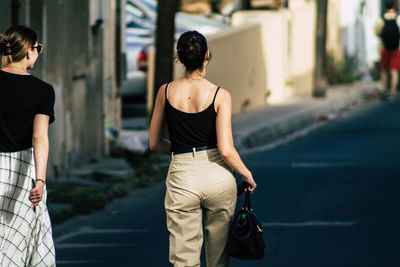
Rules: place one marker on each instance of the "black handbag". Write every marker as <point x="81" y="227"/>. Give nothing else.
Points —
<point x="246" y="239"/>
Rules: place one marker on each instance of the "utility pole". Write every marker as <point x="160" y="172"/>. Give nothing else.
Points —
<point x="245" y="4"/>
<point x="320" y="82"/>
<point x="164" y="61"/>
<point x="120" y="62"/>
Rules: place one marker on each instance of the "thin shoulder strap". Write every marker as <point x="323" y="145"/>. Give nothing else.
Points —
<point x="205" y="99"/>
<point x="215" y="95"/>
<point x="166" y="91"/>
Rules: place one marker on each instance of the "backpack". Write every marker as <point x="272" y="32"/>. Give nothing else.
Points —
<point x="390" y="34"/>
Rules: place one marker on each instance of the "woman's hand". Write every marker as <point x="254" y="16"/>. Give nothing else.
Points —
<point x="36" y="194"/>
<point x="248" y="178"/>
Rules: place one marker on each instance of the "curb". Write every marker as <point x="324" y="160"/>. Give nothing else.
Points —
<point x="269" y="127"/>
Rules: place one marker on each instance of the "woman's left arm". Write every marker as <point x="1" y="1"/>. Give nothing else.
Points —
<point x="157" y="142"/>
<point x="40" y="143"/>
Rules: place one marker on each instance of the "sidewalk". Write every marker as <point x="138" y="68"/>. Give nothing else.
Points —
<point x="271" y="123"/>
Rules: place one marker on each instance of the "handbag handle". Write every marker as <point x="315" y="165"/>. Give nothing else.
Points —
<point x="247" y="202"/>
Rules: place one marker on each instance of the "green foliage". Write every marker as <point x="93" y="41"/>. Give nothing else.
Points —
<point x="150" y="167"/>
<point x="86" y="198"/>
<point x="341" y="72"/>
<point x="376" y="71"/>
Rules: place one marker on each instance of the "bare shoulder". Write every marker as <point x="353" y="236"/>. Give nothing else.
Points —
<point x="222" y="99"/>
<point x="161" y="90"/>
<point x="162" y="87"/>
<point x="160" y="99"/>
<point x="223" y="95"/>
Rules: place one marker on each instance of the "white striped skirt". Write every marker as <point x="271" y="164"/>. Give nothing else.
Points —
<point x="25" y="232"/>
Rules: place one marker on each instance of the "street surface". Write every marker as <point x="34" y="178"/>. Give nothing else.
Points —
<point x="327" y="199"/>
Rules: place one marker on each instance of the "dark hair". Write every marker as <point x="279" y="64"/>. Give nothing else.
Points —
<point x="14" y="45"/>
<point x="389" y="4"/>
<point x="192" y="48"/>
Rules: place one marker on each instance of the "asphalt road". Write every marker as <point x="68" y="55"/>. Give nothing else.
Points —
<point x="328" y="199"/>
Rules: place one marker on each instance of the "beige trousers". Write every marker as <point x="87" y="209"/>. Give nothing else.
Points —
<point x="197" y="183"/>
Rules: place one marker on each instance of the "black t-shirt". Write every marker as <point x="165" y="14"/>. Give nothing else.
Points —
<point x="21" y="98"/>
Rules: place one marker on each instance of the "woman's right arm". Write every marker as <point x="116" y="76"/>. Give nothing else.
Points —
<point x="226" y="148"/>
<point x="157" y="125"/>
<point x="378" y="27"/>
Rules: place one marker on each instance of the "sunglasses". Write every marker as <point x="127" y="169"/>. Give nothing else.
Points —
<point x="39" y="48"/>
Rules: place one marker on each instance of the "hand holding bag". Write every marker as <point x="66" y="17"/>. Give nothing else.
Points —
<point x="246" y="239"/>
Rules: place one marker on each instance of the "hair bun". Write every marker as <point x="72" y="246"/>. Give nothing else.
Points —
<point x="5" y="46"/>
<point x="192" y="48"/>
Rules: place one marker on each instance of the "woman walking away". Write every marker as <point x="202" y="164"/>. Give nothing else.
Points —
<point x="26" y="110"/>
<point x="387" y="29"/>
<point x="200" y="177"/>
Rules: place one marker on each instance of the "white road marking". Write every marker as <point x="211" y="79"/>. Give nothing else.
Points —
<point x="303" y="164"/>
<point x="89" y="230"/>
<point x="320" y="164"/>
<point x="311" y="224"/>
<point x="94" y="245"/>
<point x="72" y="262"/>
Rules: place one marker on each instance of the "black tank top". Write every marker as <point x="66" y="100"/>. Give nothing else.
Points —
<point x="188" y="130"/>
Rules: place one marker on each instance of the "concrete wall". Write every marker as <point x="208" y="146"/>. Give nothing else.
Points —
<point x="289" y="47"/>
<point x="78" y="61"/>
<point x="112" y="89"/>
<point x="239" y="68"/>
<point x="302" y="38"/>
<point x="274" y="36"/>
<point x="358" y="20"/>
<point x="334" y="37"/>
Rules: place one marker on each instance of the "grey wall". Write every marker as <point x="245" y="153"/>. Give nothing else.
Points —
<point x="5" y="15"/>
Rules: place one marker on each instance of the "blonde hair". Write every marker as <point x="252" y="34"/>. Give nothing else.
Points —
<point x="14" y="45"/>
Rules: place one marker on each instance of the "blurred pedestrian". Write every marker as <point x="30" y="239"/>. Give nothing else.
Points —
<point x="26" y="110"/>
<point x="388" y="31"/>
<point x="200" y="177"/>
